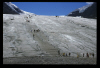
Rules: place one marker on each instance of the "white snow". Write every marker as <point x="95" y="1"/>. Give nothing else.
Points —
<point x="78" y="16"/>
<point x="61" y="16"/>
<point x="68" y="37"/>
<point x="13" y="4"/>
<point x="82" y="9"/>
<point x="89" y="2"/>
<point x="25" y="12"/>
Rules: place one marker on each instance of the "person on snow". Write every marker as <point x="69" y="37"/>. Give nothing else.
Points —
<point x="63" y="54"/>
<point x="87" y="54"/>
<point x="69" y="54"/>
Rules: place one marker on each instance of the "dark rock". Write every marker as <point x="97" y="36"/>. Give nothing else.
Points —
<point x="89" y="12"/>
<point x="9" y="8"/>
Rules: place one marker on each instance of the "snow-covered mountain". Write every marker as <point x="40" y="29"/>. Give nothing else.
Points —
<point x="88" y="11"/>
<point x="81" y="10"/>
<point x="9" y="8"/>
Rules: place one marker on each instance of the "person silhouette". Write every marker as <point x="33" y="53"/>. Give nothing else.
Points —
<point x="66" y="54"/>
<point x="58" y="52"/>
<point x="69" y="54"/>
<point x="87" y="55"/>
<point x="63" y="54"/>
<point x="77" y="55"/>
<point x="93" y="55"/>
<point x="83" y="54"/>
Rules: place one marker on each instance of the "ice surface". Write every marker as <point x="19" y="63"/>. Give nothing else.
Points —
<point x="67" y="34"/>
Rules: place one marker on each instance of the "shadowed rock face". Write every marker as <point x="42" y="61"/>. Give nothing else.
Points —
<point x="90" y="11"/>
<point x="8" y="8"/>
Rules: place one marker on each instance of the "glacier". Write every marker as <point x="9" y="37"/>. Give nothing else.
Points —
<point x="28" y="34"/>
<point x="67" y="34"/>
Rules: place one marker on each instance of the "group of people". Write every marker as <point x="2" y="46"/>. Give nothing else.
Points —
<point x="29" y="16"/>
<point x="68" y="54"/>
<point x="35" y="31"/>
<point x="57" y="16"/>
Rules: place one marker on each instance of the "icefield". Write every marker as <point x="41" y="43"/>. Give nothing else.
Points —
<point x="39" y="35"/>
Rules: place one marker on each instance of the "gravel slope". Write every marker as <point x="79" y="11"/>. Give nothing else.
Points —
<point x="49" y="60"/>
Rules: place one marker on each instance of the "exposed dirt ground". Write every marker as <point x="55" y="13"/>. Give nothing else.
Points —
<point x="49" y="60"/>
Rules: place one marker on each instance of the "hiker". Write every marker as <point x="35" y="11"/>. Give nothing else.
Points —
<point x="31" y="30"/>
<point x="58" y="52"/>
<point x="57" y="16"/>
<point x="63" y="54"/>
<point x="30" y="16"/>
<point x="66" y="54"/>
<point x="69" y="54"/>
<point x="27" y="21"/>
<point x="77" y="55"/>
<point x="38" y="30"/>
<point x="93" y="55"/>
<point x="33" y="35"/>
<point x="34" y="30"/>
<point x="87" y="55"/>
<point x="83" y="54"/>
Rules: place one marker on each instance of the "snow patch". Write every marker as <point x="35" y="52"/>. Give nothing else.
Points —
<point x="82" y="9"/>
<point x="13" y="5"/>
<point x="25" y="12"/>
<point x="62" y="16"/>
<point x="78" y="16"/>
<point x="68" y="37"/>
<point x="89" y="2"/>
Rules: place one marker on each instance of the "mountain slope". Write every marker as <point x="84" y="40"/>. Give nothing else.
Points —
<point x="67" y="34"/>
<point x="88" y="11"/>
<point x="9" y="8"/>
